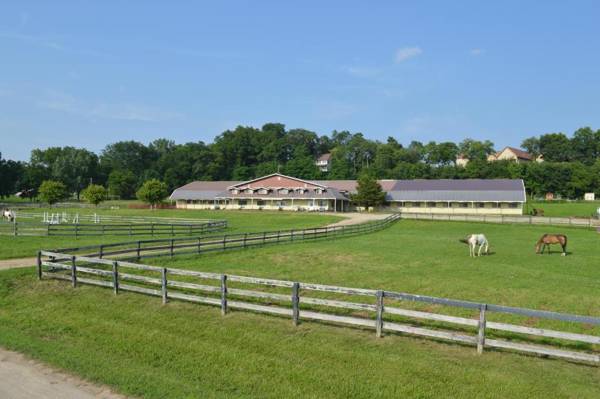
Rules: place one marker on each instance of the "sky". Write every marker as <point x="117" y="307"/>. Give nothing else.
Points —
<point x="89" y="73"/>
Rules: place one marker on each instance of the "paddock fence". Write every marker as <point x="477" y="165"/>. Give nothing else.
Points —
<point x="505" y="219"/>
<point x="480" y="325"/>
<point x="100" y="225"/>
<point x="152" y="248"/>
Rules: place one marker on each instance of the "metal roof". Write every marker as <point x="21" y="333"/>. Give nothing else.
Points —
<point x="477" y="190"/>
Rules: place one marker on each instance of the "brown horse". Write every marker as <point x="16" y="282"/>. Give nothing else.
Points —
<point x="548" y="239"/>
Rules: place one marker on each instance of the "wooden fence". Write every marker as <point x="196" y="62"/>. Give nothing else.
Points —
<point x="76" y="230"/>
<point x="380" y="310"/>
<point x="505" y="219"/>
<point x="197" y="245"/>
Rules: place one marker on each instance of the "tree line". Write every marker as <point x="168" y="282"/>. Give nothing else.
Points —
<point x="571" y="167"/>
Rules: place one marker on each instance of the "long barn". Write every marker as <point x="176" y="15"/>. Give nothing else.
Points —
<point x="280" y="192"/>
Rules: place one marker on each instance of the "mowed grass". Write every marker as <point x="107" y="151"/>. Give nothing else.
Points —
<point x="143" y="348"/>
<point x="584" y="209"/>
<point x="238" y="221"/>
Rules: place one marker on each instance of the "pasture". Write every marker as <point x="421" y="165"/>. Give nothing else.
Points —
<point x="239" y="221"/>
<point x="583" y="209"/>
<point x="144" y="348"/>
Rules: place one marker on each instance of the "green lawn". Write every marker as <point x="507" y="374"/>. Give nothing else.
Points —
<point x="583" y="209"/>
<point x="142" y="348"/>
<point x="238" y="221"/>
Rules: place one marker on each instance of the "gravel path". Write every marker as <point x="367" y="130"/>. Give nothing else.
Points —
<point x="356" y="218"/>
<point x="14" y="263"/>
<point x="23" y="378"/>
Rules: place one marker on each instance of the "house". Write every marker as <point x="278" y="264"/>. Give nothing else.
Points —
<point x="280" y="192"/>
<point x="461" y="160"/>
<point x="324" y="162"/>
<point x="514" y="154"/>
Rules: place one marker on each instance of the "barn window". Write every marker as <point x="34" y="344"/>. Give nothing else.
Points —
<point x="242" y="202"/>
<point x="479" y="204"/>
<point x="464" y="204"/>
<point x="261" y="202"/>
<point x="513" y="204"/>
<point x="431" y="205"/>
<point x="263" y="191"/>
<point x="235" y="191"/>
<point x="283" y="191"/>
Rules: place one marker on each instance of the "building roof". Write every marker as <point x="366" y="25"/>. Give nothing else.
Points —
<point x="518" y="153"/>
<point x="324" y="157"/>
<point x="477" y="190"/>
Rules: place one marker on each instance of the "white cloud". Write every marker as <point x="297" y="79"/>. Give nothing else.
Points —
<point x="476" y="51"/>
<point x="407" y="53"/>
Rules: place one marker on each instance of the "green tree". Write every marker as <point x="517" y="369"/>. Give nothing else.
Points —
<point x="94" y="194"/>
<point x="52" y="191"/>
<point x="152" y="192"/>
<point x="122" y="184"/>
<point x="368" y="192"/>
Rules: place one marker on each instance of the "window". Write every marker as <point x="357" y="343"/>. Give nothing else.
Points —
<point x="235" y="191"/>
<point x="242" y="202"/>
<point x="479" y="205"/>
<point x="300" y="190"/>
<point x="261" y="202"/>
<point x="263" y="191"/>
<point x="431" y="205"/>
<point x="248" y="191"/>
<point x="464" y="204"/>
<point x="513" y="204"/>
<point x="284" y="191"/>
<point x="319" y="191"/>
<point x="281" y="203"/>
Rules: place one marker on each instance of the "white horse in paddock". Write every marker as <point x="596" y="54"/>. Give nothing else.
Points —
<point x="8" y="214"/>
<point x="474" y="241"/>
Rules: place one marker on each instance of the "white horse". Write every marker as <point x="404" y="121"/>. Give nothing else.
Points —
<point x="475" y="240"/>
<point x="8" y="214"/>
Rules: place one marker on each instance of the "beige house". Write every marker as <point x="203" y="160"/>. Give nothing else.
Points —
<point x="324" y="162"/>
<point x="514" y="154"/>
<point x="279" y="192"/>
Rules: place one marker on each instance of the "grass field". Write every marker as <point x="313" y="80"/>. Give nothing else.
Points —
<point x="239" y="221"/>
<point x="140" y="347"/>
<point x="583" y="209"/>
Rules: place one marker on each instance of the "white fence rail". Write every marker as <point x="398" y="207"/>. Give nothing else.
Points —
<point x="380" y="310"/>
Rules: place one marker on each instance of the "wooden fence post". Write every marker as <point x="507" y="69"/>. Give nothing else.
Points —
<point x="245" y="238"/>
<point x="73" y="272"/>
<point x="224" y="242"/>
<point x="101" y="252"/>
<point x="223" y="294"/>
<point x="379" y="321"/>
<point x="164" y="285"/>
<point x="171" y="253"/>
<point x="278" y="234"/>
<point x="296" y="303"/>
<point x="115" y="276"/>
<point x="39" y="265"/>
<point x="481" y="327"/>
<point x="139" y="249"/>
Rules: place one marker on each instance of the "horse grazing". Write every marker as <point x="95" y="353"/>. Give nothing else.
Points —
<point x="474" y="240"/>
<point x="548" y="239"/>
<point x="8" y="214"/>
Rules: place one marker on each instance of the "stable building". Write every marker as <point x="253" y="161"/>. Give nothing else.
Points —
<point x="279" y="192"/>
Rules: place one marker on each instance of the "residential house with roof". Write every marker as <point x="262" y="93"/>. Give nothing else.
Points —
<point x="514" y="154"/>
<point x="324" y="162"/>
<point x="280" y="192"/>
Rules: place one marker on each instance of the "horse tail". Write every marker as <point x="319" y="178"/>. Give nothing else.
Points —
<point x="565" y="244"/>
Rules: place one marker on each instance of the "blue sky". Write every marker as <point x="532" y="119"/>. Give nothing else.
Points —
<point x="90" y="73"/>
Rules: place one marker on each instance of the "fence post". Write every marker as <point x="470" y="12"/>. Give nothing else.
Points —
<point x="379" y="321"/>
<point x="164" y="285"/>
<point x="481" y="327"/>
<point x="223" y="294"/>
<point x="172" y="242"/>
<point x="224" y="242"/>
<point x="278" y="234"/>
<point x="39" y="265"/>
<point x="115" y="276"/>
<point x="245" y="238"/>
<point x="296" y="303"/>
<point x="101" y="254"/>
<point x="73" y="272"/>
<point x="139" y="248"/>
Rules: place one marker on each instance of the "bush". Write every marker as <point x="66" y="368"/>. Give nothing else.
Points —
<point x="94" y="194"/>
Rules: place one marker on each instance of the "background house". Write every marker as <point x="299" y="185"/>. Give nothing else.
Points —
<point x="324" y="162"/>
<point x="514" y="154"/>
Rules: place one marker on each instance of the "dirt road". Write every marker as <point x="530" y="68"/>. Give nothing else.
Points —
<point x="23" y="378"/>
